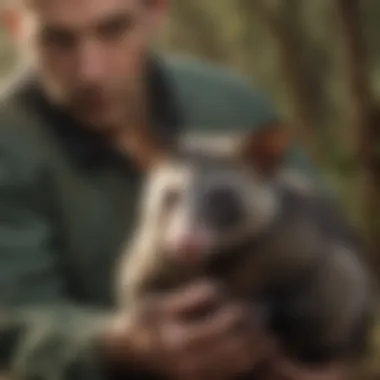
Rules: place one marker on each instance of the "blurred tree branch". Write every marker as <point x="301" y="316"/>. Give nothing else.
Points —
<point x="364" y="117"/>
<point x="294" y="72"/>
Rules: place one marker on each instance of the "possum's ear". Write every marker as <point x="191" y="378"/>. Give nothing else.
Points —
<point x="145" y="149"/>
<point x="266" y="148"/>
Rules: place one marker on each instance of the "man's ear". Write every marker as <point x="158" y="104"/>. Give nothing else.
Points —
<point x="11" y="20"/>
<point x="265" y="149"/>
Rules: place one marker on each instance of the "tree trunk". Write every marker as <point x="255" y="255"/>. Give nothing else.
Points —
<point x="293" y="72"/>
<point x="363" y="119"/>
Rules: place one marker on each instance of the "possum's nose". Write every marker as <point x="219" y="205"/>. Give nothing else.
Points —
<point x="192" y="246"/>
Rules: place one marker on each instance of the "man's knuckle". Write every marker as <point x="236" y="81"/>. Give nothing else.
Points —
<point x="188" y="369"/>
<point x="240" y="313"/>
<point x="213" y="290"/>
<point x="246" y="365"/>
<point x="241" y="356"/>
<point x="182" y="347"/>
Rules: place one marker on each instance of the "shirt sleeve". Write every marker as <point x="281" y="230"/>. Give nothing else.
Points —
<point x="43" y="333"/>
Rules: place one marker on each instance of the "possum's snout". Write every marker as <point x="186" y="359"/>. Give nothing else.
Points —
<point x="219" y="211"/>
<point x="191" y="244"/>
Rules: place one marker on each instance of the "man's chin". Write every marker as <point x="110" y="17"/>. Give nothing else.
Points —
<point x="99" y="121"/>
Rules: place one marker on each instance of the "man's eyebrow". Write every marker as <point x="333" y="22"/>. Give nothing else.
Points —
<point x="116" y="18"/>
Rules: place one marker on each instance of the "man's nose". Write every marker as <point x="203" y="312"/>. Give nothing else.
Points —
<point x="91" y="62"/>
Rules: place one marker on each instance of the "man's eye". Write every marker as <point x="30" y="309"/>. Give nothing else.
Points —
<point x="57" y="39"/>
<point x="116" y="28"/>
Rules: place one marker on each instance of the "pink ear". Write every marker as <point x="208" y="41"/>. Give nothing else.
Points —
<point x="11" y="20"/>
<point x="266" y="148"/>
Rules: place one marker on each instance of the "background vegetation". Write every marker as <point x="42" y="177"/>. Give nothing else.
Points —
<point x="319" y="61"/>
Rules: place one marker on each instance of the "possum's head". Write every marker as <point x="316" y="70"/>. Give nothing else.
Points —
<point x="214" y="193"/>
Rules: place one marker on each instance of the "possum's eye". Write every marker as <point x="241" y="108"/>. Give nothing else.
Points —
<point x="223" y="207"/>
<point x="171" y="198"/>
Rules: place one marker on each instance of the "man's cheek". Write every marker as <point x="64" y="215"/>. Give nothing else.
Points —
<point x="130" y="53"/>
<point x="58" y="69"/>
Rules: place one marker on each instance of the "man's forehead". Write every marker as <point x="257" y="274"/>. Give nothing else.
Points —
<point x="75" y="14"/>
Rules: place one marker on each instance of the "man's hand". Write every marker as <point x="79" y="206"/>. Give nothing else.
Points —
<point x="285" y="369"/>
<point x="162" y="338"/>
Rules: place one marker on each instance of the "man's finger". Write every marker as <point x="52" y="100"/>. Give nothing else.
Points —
<point x="227" y="358"/>
<point x="192" y="297"/>
<point x="291" y="370"/>
<point x="225" y="322"/>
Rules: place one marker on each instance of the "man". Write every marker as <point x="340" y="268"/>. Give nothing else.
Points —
<point x="68" y="191"/>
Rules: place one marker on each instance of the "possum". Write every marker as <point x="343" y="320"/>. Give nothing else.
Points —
<point x="229" y="207"/>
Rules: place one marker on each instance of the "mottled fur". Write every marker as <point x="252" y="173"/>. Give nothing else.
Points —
<point x="303" y="263"/>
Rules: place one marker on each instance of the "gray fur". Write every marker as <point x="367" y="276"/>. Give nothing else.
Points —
<point x="310" y="250"/>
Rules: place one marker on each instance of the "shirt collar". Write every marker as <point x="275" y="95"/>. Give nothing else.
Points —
<point x="91" y="148"/>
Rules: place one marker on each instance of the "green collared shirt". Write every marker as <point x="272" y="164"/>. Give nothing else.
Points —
<point x="68" y="202"/>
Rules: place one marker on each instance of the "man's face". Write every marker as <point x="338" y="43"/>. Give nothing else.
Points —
<point x="91" y="53"/>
